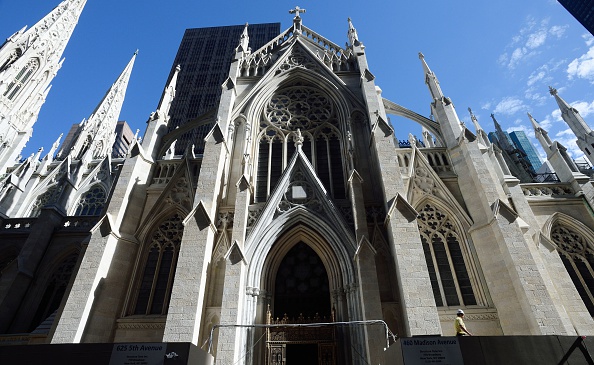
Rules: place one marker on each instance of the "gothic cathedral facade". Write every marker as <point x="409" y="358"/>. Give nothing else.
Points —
<point x="296" y="206"/>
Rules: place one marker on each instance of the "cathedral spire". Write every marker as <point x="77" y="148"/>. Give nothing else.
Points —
<point x="352" y="34"/>
<point x="477" y="126"/>
<point x="570" y="115"/>
<point x="502" y="137"/>
<point x="158" y="120"/>
<point x="168" y="95"/>
<point x="442" y="108"/>
<point x="24" y="58"/>
<point x="583" y="132"/>
<point x="97" y="133"/>
<point x="431" y="80"/>
<point x="244" y="40"/>
<point x="479" y="130"/>
<point x="541" y="134"/>
<point x="557" y="155"/>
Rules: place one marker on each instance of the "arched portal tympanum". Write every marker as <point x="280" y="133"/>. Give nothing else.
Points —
<point x="306" y="277"/>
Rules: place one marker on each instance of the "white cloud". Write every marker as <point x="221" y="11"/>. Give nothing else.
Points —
<point x="536" y="39"/>
<point x="522" y="127"/>
<point x="531" y="37"/>
<point x="566" y="132"/>
<point x="568" y="140"/>
<point x="545" y="123"/>
<point x="582" y="67"/>
<point x="510" y="106"/>
<point x="556" y="115"/>
<point x="588" y="38"/>
<point x="536" y="76"/>
<point x="486" y="105"/>
<point x="535" y="97"/>
<point x="584" y="107"/>
<point x="517" y="55"/>
<point x="558" y="30"/>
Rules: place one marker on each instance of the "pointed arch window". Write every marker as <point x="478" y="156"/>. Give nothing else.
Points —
<point x="158" y="271"/>
<point x="55" y="290"/>
<point x="446" y="257"/>
<point x="92" y="202"/>
<point x="21" y="78"/>
<point x="578" y="257"/>
<point x="47" y="197"/>
<point x="305" y="110"/>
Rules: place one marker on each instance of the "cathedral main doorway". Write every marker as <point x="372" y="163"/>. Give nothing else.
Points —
<point x="301" y="298"/>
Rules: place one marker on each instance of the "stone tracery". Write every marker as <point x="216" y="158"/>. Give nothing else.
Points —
<point x="300" y="114"/>
<point x="444" y="254"/>
<point x="578" y="257"/>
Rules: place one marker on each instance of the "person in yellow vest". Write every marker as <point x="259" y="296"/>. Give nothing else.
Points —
<point x="459" y="324"/>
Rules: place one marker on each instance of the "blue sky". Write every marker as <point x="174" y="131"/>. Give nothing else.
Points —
<point x="493" y="56"/>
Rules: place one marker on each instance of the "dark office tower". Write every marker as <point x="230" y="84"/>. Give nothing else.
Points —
<point x="204" y="57"/>
<point x="582" y="10"/>
<point x="123" y="139"/>
<point x="522" y="142"/>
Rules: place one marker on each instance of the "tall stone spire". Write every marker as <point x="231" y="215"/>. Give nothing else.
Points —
<point x="583" y="132"/>
<point x="558" y="158"/>
<point x="541" y="134"/>
<point x="158" y="120"/>
<point x="431" y="79"/>
<point x="442" y="107"/>
<point x="29" y="60"/>
<point x="502" y="137"/>
<point x="480" y="132"/>
<point x="244" y="40"/>
<point x="352" y="34"/>
<point x="96" y="135"/>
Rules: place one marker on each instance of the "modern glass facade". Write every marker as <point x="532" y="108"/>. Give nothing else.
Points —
<point x="204" y="57"/>
<point x="523" y="143"/>
<point x="582" y="10"/>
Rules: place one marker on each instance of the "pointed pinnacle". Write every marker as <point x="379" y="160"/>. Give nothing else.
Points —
<point x="552" y="91"/>
<point x="495" y="121"/>
<point x="535" y="124"/>
<point x="474" y="120"/>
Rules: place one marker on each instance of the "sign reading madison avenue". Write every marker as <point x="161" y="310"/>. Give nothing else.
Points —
<point x="431" y="350"/>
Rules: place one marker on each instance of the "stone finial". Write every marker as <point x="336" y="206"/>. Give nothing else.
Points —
<point x="352" y="34"/>
<point x="552" y="90"/>
<point x="244" y="39"/>
<point x="298" y="138"/>
<point x="297" y="11"/>
<point x="421" y="56"/>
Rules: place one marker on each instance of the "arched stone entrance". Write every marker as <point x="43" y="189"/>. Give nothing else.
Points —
<point x="308" y="276"/>
<point x="301" y="296"/>
<point x="301" y="286"/>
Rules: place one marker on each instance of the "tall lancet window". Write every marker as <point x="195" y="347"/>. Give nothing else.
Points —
<point x="158" y="269"/>
<point x="311" y="112"/>
<point x="55" y="290"/>
<point x="21" y="78"/>
<point x="446" y="257"/>
<point x="577" y="255"/>
<point x="92" y="202"/>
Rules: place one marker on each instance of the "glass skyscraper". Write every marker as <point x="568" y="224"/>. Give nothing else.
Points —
<point x="582" y="10"/>
<point x="523" y="143"/>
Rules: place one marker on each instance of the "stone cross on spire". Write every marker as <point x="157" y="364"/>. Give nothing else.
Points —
<point x="296" y="11"/>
